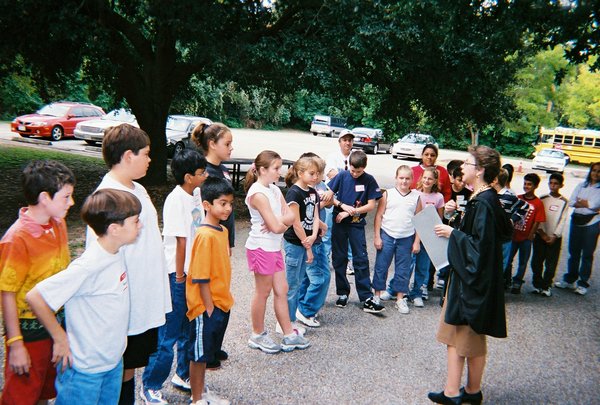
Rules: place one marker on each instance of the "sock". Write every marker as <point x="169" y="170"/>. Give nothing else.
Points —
<point x="127" y="393"/>
<point x="376" y="299"/>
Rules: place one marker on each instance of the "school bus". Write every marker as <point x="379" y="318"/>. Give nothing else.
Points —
<point x="582" y="145"/>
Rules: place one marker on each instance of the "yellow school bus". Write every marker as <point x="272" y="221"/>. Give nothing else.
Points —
<point x="582" y="145"/>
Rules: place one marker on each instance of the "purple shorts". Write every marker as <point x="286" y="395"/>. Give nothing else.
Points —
<point x="264" y="263"/>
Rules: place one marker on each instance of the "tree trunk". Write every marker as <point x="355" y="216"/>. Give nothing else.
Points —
<point x="474" y="135"/>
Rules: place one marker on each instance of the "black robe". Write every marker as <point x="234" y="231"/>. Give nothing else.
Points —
<point x="475" y="294"/>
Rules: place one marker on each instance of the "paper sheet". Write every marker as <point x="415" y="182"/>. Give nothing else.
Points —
<point x="436" y="246"/>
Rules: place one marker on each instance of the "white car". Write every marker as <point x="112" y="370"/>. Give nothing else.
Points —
<point x="179" y="131"/>
<point x="411" y="146"/>
<point x="550" y="160"/>
<point x="93" y="131"/>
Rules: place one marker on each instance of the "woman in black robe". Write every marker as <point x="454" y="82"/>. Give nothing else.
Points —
<point x="474" y="302"/>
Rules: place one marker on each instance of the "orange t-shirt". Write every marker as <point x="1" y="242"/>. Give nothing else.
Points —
<point x="209" y="264"/>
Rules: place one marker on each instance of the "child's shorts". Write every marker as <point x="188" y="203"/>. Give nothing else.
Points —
<point x="263" y="262"/>
<point x="74" y="386"/>
<point x="39" y="384"/>
<point x="206" y="335"/>
<point x="139" y="348"/>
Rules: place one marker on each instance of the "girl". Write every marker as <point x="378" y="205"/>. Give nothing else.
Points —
<point x="216" y="141"/>
<point x="270" y="218"/>
<point x="299" y="240"/>
<point x="428" y="159"/>
<point x="395" y="237"/>
<point x="430" y="195"/>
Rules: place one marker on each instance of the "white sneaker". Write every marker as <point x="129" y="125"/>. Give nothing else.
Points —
<point x="402" y="306"/>
<point x="386" y="296"/>
<point x="424" y="292"/>
<point x="564" y="284"/>
<point x="152" y="397"/>
<point x="180" y="383"/>
<point x="547" y="292"/>
<point x="313" y="322"/>
<point x="581" y="290"/>
<point x="299" y="329"/>
<point x="418" y="302"/>
<point x="350" y="270"/>
<point x="440" y="284"/>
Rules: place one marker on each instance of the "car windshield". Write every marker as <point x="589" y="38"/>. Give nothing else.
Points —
<point x="551" y="153"/>
<point x="415" y="138"/>
<point x="119" y="115"/>
<point x="177" y="124"/>
<point x="54" y="110"/>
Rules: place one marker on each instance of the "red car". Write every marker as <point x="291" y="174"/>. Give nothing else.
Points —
<point x="56" y="120"/>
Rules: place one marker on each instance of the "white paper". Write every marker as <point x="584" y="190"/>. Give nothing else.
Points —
<point x="436" y="246"/>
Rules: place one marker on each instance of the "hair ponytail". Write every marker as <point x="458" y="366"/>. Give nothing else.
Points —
<point x="264" y="160"/>
<point x="203" y="133"/>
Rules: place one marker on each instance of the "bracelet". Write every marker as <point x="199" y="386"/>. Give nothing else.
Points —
<point x="176" y="276"/>
<point x="14" y="339"/>
<point x="340" y="205"/>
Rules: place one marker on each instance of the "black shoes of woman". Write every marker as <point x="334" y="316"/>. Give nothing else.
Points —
<point x="463" y="398"/>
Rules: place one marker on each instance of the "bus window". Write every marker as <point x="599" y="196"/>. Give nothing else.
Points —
<point x="597" y="145"/>
<point x="578" y="140"/>
<point x="568" y="139"/>
<point x="558" y="139"/>
<point x="589" y="141"/>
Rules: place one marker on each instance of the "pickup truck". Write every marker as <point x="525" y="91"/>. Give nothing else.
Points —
<point x="327" y="125"/>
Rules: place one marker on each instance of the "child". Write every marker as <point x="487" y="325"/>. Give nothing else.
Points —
<point x="356" y="192"/>
<point x="34" y="248"/>
<point x="299" y="239"/>
<point x="548" y="239"/>
<point x="395" y="237"/>
<point x="430" y="195"/>
<point x="95" y="294"/>
<point x="208" y="287"/>
<point x="216" y="142"/>
<point x="270" y="217"/>
<point x="525" y="230"/>
<point x="182" y="214"/>
<point x="125" y="150"/>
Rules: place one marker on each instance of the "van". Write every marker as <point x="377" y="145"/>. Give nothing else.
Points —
<point x="327" y="125"/>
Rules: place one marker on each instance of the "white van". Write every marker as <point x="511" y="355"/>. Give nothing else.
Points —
<point x="327" y="125"/>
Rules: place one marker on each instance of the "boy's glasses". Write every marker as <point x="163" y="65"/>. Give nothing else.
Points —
<point x="203" y="173"/>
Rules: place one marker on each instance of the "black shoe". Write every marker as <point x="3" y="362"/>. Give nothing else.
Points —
<point x="342" y="301"/>
<point x="441" y="398"/>
<point x="372" y="307"/>
<point x="473" y="399"/>
<point x="213" y="365"/>
<point x="515" y="290"/>
<point x="222" y="355"/>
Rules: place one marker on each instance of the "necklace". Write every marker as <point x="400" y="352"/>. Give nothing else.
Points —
<point x="480" y="190"/>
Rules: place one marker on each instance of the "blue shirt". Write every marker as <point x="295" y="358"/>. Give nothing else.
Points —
<point x="354" y="192"/>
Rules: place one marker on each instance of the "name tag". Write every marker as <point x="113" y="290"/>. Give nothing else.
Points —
<point x="553" y="208"/>
<point x="359" y="187"/>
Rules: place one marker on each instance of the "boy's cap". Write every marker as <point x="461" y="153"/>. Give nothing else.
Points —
<point x="346" y="132"/>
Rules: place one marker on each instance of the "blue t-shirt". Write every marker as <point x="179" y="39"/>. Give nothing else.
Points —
<point x="354" y="192"/>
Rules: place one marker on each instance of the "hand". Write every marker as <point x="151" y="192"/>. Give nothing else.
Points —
<point x="416" y="248"/>
<point x="210" y="311"/>
<point x="323" y="229"/>
<point x="443" y="230"/>
<point x="180" y="279"/>
<point x="341" y="216"/>
<point x="378" y="243"/>
<point x="61" y="353"/>
<point x="582" y="203"/>
<point x="349" y="209"/>
<point x="327" y="197"/>
<point x="18" y="358"/>
<point x="309" y="256"/>
<point x="450" y="206"/>
<point x="550" y="239"/>
<point x="264" y="228"/>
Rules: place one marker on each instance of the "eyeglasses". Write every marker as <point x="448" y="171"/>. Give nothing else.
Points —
<point x="470" y="164"/>
<point x="345" y="164"/>
<point x="203" y="173"/>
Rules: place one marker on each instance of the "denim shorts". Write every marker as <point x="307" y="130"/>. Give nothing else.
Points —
<point x="206" y="335"/>
<point x="74" y="386"/>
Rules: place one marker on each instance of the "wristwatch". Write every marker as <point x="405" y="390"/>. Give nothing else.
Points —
<point x="340" y="205"/>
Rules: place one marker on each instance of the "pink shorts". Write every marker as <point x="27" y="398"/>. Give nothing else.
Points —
<point x="265" y="263"/>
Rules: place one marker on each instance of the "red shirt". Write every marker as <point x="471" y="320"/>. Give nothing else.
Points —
<point x="535" y="214"/>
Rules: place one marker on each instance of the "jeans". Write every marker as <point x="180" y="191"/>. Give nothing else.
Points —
<point x="422" y="263"/>
<point x="524" y="248"/>
<point x="326" y="240"/>
<point x="401" y="251"/>
<point x="341" y="234"/>
<point x="76" y="387"/>
<point x="314" y="287"/>
<point x="295" y="271"/>
<point x="543" y="252"/>
<point x="175" y="330"/>
<point x="582" y="244"/>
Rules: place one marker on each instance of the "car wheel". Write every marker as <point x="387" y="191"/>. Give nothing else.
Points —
<point x="388" y="151"/>
<point x="91" y="143"/>
<point x="57" y="133"/>
<point x="179" y="146"/>
<point x="24" y="135"/>
<point x="375" y="149"/>
<point x="314" y="134"/>
<point x="330" y="135"/>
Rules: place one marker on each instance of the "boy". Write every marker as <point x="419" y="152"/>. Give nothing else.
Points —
<point x="208" y="286"/>
<point x="548" y="239"/>
<point x="125" y="150"/>
<point x="182" y="214"/>
<point x="525" y="230"/>
<point x="355" y="195"/>
<point x="34" y="248"/>
<point x="95" y="294"/>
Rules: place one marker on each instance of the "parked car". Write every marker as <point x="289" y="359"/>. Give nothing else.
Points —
<point x="411" y="146"/>
<point x="370" y="140"/>
<point x="179" y="132"/>
<point x="93" y="131"/>
<point x="550" y="160"/>
<point x="55" y="120"/>
<point x="327" y="125"/>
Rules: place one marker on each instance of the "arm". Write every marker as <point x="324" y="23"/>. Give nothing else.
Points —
<point x="180" y="259"/>
<point x="61" y="352"/>
<point x="377" y="222"/>
<point x="18" y="357"/>
<point x="260" y="202"/>
<point x="534" y="229"/>
<point x="207" y="298"/>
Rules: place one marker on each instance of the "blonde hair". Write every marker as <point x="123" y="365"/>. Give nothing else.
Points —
<point x="435" y="187"/>
<point x="264" y="159"/>
<point x="404" y="167"/>
<point x="303" y="164"/>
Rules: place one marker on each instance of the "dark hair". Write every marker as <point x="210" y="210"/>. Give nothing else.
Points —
<point x="588" y="179"/>
<point x="502" y="177"/>
<point x="118" y="140"/>
<point x="264" y="160"/>
<point x="452" y="165"/>
<point x="302" y="164"/>
<point x="487" y="159"/>
<point x="432" y="147"/>
<point x="186" y="162"/>
<point x="532" y="177"/>
<point x="203" y="133"/>
<point x="44" y="176"/>
<point x="510" y="169"/>
<point x="358" y="159"/>
<point x="215" y="187"/>
<point x="457" y="172"/>
<point x="109" y="206"/>
<point x="558" y="177"/>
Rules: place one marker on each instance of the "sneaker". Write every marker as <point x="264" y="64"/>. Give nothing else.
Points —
<point x="298" y="329"/>
<point x="342" y="301"/>
<point x="310" y="321"/>
<point x="386" y="296"/>
<point x="213" y="399"/>
<point x="350" y="270"/>
<point x="180" y="383"/>
<point x="372" y="307"/>
<point x="536" y="290"/>
<point x="152" y="396"/>
<point x="213" y="365"/>
<point x="564" y="284"/>
<point x="424" y="293"/>
<point x="581" y="290"/>
<point x="440" y="284"/>
<point x="546" y="292"/>
<point x="402" y="306"/>
<point x="418" y="302"/>
<point x="263" y="342"/>
<point x="294" y="341"/>
<point x="222" y="355"/>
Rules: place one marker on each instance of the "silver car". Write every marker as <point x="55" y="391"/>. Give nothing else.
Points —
<point x="179" y="132"/>
<point x="93" y="131"/>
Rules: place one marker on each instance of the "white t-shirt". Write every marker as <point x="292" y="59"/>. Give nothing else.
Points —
<point x="182" y="214"/>
<point x="399" y="212"/>
<point x="267" y="241"/>
<point x="94" y="291"/>
<point x="336" y="161"/>
<point x="146" y="265"/>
